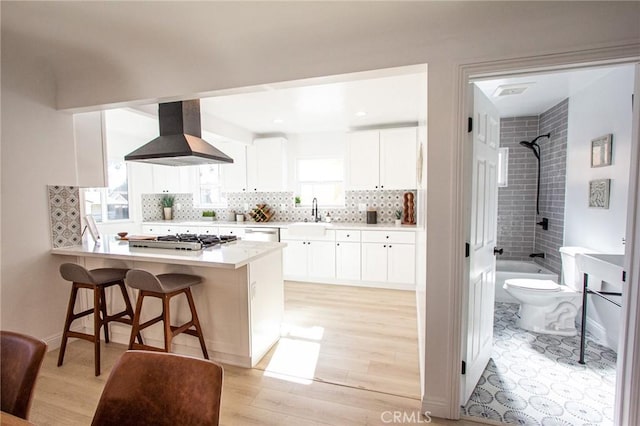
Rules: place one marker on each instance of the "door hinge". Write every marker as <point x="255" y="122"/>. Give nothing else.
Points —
<point x="624" y="276"/>
<point x="470" y="125"/>
<point x="464" y="367"/>
<point x="467" y="249"/>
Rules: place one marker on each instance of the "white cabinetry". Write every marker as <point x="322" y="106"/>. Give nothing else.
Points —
<point x="168" y="229"/>
<point x="382" y="159"/>
<point x="91" y="155"/>
<point x="309" y="258"/>
<point x="266" y="165"/>
<point x="348" y="255"/>
<point x="234" y="175"/>
<point x="388" y="257"/>
<point x="228" y="230"/>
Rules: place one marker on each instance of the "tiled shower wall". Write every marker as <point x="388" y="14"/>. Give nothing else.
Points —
<point x="517" y="230"/>
<point x="385" y="202"/>
<point x="552" y="184"/>
<point x="517" y="201"/>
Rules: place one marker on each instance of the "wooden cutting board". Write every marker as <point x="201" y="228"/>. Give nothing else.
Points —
<point x="139" y="237"/>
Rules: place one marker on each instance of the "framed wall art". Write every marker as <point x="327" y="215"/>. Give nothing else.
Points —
<point x="601" y="151"/>
<point x="599" y="193"/>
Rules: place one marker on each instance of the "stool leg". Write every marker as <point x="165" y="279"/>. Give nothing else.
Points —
<point x="96" y="328"/>
<point x="196" y="321"/>
<point x="128" y="307"/>
<point x="103" y="308"/>
<point x="168" y="334"/>
<point x="67" y="323"/>
<point x="135" y="326"/>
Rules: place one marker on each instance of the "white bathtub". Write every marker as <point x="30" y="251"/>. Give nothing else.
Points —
<point x="508" y="269"/>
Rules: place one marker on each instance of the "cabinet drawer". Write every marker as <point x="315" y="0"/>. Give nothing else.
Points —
<point x="346" y="236"/>
<point x="238" y="232"/>
<point x="208" y="230"/>
<point x="388" y="237"/>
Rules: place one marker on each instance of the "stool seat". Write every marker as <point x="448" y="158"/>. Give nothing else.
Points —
<point x="97" y="280"/>
<point x="164" y="286"/>
<point x="163" y="283"/>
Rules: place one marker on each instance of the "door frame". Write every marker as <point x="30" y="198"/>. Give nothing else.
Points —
<point x="628" y="371"/>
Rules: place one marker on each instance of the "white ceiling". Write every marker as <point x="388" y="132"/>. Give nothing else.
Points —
<point x="543" y="91"/>
<point x="392" y="96"/>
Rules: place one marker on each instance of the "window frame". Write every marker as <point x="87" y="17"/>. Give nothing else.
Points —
<point x="298" y="182"/>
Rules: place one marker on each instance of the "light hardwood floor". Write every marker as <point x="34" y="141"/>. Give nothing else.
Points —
<point x="348" y="357"/>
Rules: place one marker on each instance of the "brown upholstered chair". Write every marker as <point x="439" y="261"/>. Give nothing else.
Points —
<point x="153" y="388"/>
<point x="20" y="360"/>
<point x="164" y="287"/>
<point x="97" y="280"/>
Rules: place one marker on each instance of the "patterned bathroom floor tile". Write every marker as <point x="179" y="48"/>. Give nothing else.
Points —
<point x="535" y="379"/>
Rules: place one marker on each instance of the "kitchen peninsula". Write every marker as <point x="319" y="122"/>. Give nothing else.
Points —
<point x="240" y="301"/>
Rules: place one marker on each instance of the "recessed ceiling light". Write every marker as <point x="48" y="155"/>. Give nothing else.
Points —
<point x="278" y="121"/>
<point x="361" y="114"/>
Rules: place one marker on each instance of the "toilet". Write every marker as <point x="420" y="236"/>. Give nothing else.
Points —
<point x="547" y="307"/>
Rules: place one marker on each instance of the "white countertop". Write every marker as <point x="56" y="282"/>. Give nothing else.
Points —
<point x="230" y="256"/>
<point x="248" y="224"/>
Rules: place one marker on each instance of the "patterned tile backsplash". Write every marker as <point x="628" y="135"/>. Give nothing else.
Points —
<point x="64" y="212"/>
<point x="385" y="202"/>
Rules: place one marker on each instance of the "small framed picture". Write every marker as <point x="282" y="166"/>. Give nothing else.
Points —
<point x="599" y="193"/>
<point x="601" y="151"/>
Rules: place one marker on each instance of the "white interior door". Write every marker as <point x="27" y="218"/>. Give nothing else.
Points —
<point x="482" y="265"/>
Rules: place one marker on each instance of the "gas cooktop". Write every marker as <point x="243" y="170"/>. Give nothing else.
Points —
<point x="183" y="241"/>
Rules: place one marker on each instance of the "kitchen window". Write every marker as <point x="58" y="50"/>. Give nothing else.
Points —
<point x="112" y="203"/>
<point x="210" y="187"/>
<point x="321" y="178"/>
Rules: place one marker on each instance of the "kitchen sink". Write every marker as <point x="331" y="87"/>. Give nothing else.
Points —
<point x="308" y="229"/>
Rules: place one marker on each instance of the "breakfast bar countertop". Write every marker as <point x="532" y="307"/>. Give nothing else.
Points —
<point x="231" y="255"/>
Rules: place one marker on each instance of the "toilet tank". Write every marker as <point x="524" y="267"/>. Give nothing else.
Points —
<point x="571" y="276"/>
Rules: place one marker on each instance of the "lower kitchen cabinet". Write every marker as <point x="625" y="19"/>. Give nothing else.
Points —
<point x="388" y="256"/>
<point x="309" y="259"/>
<point x="347" y="261"/>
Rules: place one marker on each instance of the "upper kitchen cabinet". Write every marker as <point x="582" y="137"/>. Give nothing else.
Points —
<point x="174" y="179"/>
<point x="382" y="159"/>
<point x="234" y="175"/>
<point x="91" y="156"/>
<point x="266" y="165"/>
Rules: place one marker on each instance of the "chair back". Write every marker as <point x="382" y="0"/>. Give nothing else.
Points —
<point x="143" y="280"/>
<point x="75" y="273"/>
<point x="155" y="388"/>
<point x="20" y="360"/>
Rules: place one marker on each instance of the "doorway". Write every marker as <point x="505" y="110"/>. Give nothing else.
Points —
<point x="523" y="380"/>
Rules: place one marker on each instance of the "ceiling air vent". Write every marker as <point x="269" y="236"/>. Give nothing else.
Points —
<point x="511" y="89"/>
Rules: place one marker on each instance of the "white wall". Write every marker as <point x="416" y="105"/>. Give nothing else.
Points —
<point x="37" y="150"/>
<point x="604" y="107"/>
<point x="212" y="47"/>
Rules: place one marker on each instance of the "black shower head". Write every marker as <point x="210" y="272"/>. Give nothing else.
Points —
<point x="533" y="146"/>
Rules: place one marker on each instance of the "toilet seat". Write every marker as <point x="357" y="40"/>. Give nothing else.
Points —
<point x="543" y="286"/>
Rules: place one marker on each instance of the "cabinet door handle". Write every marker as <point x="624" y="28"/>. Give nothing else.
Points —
<point x="387" y="237"/>
<point x="337" y="244"/>
<point x="347" y="235"/>
<point x="385" y="246"/>
<point x="381" y="186"/>
<point x="389" y="246"/>
<point x="376" y="186"/>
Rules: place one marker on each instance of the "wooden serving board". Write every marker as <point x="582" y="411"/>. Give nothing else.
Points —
<point x="139" y="237"/>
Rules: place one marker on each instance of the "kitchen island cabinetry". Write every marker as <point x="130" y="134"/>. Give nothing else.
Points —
<point x="240" y="301"/>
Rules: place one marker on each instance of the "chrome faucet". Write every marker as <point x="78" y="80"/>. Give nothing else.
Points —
<point x="314" y="210"/>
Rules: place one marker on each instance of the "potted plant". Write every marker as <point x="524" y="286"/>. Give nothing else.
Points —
<point x="167" y="206"/>
<point x="297" y="201"/>
<point x="209" y="214"/>
<point x="398" y="217"/>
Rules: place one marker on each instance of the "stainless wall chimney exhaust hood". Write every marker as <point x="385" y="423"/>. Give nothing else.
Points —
<point x="180" y="142"/>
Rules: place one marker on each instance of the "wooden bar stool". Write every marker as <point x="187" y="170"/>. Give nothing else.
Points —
<point x="97" y="280"/>
<point x="164" y="286"/>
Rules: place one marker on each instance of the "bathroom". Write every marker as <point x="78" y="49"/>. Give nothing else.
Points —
<point x="538" y="217"/>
